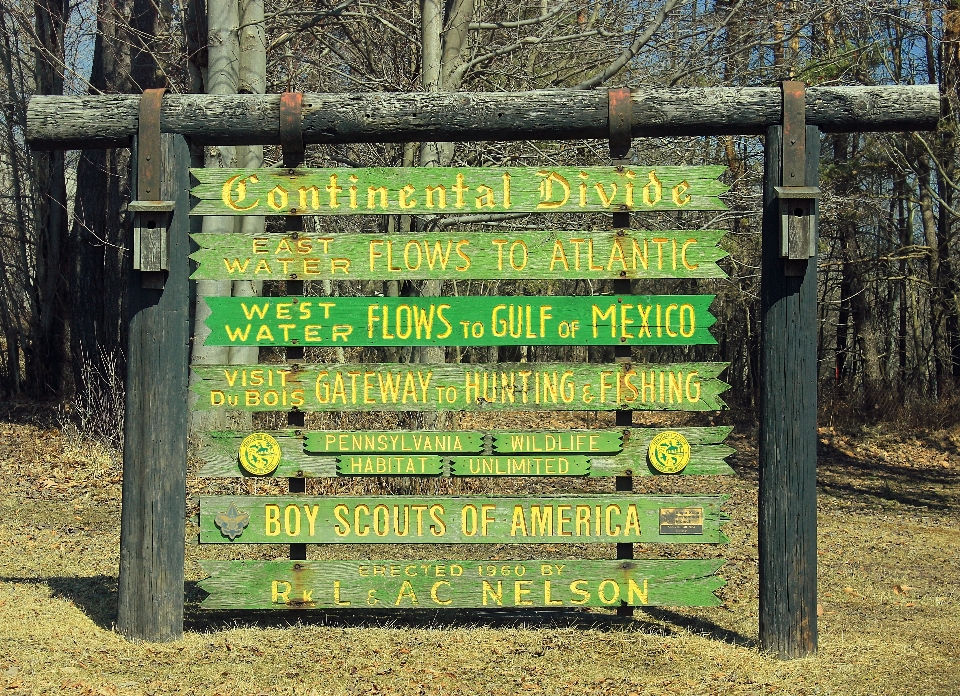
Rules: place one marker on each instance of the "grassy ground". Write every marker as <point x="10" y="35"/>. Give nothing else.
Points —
<point x="889" y="588"/>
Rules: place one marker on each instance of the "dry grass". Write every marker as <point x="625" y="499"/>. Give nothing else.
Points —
<point x="889" y="589"/>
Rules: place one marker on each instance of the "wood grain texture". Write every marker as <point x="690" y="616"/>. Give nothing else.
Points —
<point x="110" y="120"/>
<point x="308" y="455"/>
<point x="150" y="599"/>
<point x="460" y="321"/>
<point x="787" y="534"/>
<point x="459" y="584"/>
<point x="436" y="190"/>
<point x="460" y="387"/>
<point x="466" y="520"/>
<point x="462" y="255"/>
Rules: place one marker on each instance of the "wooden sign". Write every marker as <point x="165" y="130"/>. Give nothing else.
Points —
<point x="460" y="321"/>
<point x="389" y="465"/>
<point x="316" y="454"/>
<point x="461" y="520"/>
<point x="461" y="387"/>
<point x="520" y="465"/>
<point x="392" y="441"/>
<point x="410" y="584"/>
<point x="433" y="190"/>
<point x="557" y="441"/>
<point x="594" y="254"/>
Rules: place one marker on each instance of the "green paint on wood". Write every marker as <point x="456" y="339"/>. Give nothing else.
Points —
<point x="461" y="520"/>
<point x="389" y="465"/>
<point x="557" y="441"/>
<point x="393" y="441"/>
<point x="521" y="465"/>
<point x="460" y="321"/>
<point x="406" y="584"/>
<point x="508" y="255"/>
<point x="305" y="456"/>
<point x="460" y="387"/>
<point x="706" y="455"/>
<point x="429" y="191"/>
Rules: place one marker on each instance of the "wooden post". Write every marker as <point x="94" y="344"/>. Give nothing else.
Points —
<point x="788" y="425"/>
<point x="293" y="152"/>
<point x="155" y="428"/>
<point x="620" y="117"/>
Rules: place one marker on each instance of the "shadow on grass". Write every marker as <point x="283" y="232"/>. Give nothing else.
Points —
<point x="96" y="597"/>
<point x="839" y="474"/>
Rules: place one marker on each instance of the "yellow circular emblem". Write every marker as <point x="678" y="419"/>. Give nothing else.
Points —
<point x="259" y="454"/>
<point x="669" y="452"/>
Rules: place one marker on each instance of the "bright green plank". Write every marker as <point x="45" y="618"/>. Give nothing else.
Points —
<point x="465" y="520"/>
<point x="521" y="465"/>
<point x="459" y="584"/>
<point x="461" y="387"/>
<point x="393" y="441"/>
<point x="427" y="191"/>
<point x="460" y="321"/>
<point x="595" y="254"/>
<point x="389" y="465"/>
<point x="557" y="441"/>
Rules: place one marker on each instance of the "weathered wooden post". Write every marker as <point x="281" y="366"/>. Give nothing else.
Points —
<point x="788" y="385"/>
<point x="155" y="419"/>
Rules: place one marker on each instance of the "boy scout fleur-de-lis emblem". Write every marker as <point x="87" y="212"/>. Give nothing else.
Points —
<point x="232" y="522"/>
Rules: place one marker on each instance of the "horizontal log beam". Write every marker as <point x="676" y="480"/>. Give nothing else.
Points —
<point x="65" y="123"/>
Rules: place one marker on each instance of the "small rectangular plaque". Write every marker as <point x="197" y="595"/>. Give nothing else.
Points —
<point x="681" y="520"/>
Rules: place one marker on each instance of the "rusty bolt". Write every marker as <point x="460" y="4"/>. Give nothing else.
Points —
<point x="294" y="300"/>
<point x="624" y="207"/>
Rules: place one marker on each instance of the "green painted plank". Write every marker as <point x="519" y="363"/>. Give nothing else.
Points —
<point x="219" y="452"/>
<point x="389" y="465"/>
<point x="460" y="321"/>
<point x="706" y="454"/>
<point x="557" y="441"/>
<point x="433" y="190"/>
<point x="460" y="520"/>
<point x="461" y="387"/>
<point x="460" y="584"/>
<point x="393" y="441"/>
<point x="304" y="455"/>
<point x="521" y="465"/>
<point x="595" y="254"/>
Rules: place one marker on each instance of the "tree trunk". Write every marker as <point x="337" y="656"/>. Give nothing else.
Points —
<point x="47" y="357"/>
<point x="98" y="240"/>
<point x="223" y="56"/>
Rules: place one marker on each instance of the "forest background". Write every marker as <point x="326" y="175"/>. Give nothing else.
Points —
<point x="889" y="281"/>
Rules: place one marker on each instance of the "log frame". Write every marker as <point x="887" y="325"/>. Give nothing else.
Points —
<point x="64" y="123"/>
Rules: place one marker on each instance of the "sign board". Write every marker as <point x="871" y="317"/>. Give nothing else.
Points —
<point x="624" y="452"/>
<point x="460" y="321"/>
<point x="461" y="520"/>
<point x="508" y="255"/>
<point x="461" y="387"/>
<point x="405" y="584"/>
<point x="433" y="190"/>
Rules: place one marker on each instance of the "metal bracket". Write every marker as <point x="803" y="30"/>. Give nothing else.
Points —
<point x="620" y="119"/>
<point x="798" y="219"/>
<point x="151" y="215"/>
<point x="291" y="128"/>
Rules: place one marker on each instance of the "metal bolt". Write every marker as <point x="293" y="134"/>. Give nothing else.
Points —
<point x="297" y="566"/>
<point x="299" y="473"/>
<point x="623" y="274"/>
<point x="293" y="276"/>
